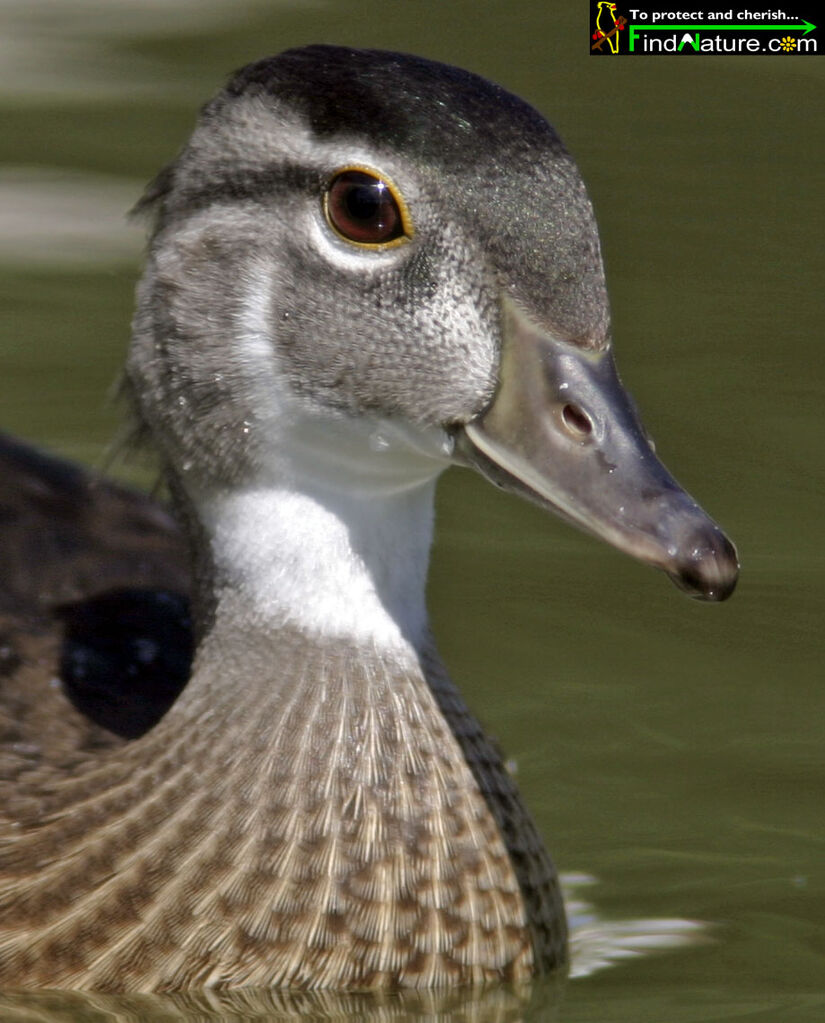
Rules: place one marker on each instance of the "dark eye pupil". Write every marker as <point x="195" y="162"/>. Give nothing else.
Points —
<point x="363" y="202"/>
<point x="363" y="208"/>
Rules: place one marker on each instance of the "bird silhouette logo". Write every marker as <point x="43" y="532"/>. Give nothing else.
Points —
<point x="606" y="37"/>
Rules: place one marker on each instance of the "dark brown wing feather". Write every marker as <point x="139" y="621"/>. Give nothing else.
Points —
<point x="83" y="560"/>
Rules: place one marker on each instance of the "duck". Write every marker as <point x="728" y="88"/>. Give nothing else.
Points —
<point x="363" y="267"/>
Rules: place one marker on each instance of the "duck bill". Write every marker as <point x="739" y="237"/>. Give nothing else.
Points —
<point x="562" y="431"/>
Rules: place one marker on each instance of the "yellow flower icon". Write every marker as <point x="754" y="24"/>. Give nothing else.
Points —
<point x="788" y="43"/>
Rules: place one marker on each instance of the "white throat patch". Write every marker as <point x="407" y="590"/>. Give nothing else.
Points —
<point x="333" y="534"/>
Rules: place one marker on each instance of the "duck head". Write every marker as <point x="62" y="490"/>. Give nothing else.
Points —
<point x="368" y="265"/>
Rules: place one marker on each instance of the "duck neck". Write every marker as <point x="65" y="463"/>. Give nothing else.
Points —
<point x="327" y="531"/>
<point x="330" y="563"/>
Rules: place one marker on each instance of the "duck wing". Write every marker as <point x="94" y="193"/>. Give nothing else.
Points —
<point x="95" y="641"/>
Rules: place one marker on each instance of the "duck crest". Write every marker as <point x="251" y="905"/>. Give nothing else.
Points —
<point x="344" y="824"/>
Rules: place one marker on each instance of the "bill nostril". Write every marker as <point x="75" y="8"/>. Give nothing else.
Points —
<point x="577" y="421"/>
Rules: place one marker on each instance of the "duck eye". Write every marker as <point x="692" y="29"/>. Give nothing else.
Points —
<point x="365" y="209"/>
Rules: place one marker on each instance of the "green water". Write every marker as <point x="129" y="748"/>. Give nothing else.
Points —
<point x="671" y="750"/>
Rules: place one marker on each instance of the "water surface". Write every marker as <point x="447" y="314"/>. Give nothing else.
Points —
<point x="669" y="750"/>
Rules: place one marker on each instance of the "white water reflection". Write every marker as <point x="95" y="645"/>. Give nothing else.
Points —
<point x="55" y="49"/>
<point x="596" y="944"/>
<point x="51" y="217"/>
